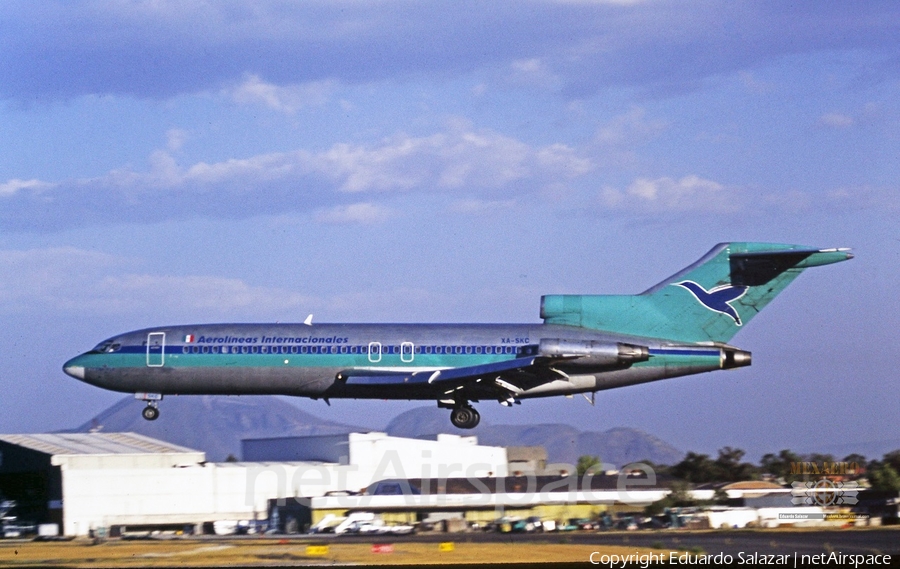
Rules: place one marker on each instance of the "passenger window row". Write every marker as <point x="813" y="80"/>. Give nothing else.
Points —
<point x="362" y="350"/>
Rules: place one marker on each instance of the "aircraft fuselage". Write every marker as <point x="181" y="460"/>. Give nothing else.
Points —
<point x="586" y="343"/>
<point x="301" y="360"/>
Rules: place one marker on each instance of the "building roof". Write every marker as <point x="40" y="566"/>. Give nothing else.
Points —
<point x="523" y="453"/>
<point x="69" y="444"/>
<point x="529" y="483"/>
<point x="752" y="485"/>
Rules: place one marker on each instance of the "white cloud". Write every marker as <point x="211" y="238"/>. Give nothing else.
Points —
<point x="285" y="99"/>
<point x="16" y="185"/>
<point x="849" y="198"/>
<point x="79" y="281"/>
<point x="261" y="167"/>
<point x="74" y="282"/>
<point x="164" y="169"/>
<point x="533" y="71"/>
<point x="362" y="213"/>
<point x="629" y="129"/>
<point x="690" y="193"/>
<point x="49" y="277"/>
<point x="191" y="47"/>
<point x="459" y="158"/>
<point x="175" y="139"/>
<point x="615" y="143"/>
<point x="194" y="293"/>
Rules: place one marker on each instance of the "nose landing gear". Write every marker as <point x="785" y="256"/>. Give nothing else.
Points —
<point x="151" y="411"/>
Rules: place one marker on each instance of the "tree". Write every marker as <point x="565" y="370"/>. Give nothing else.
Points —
<point x="858" y="460"/>
<point x="729" y="467"/>
<point x="678" y="497"/>
<point x="779" y="465"/>
<point x="586" y="463"/>
<point x="720" y="497"/>
<point x="695" y="467"/>
<point x="884" y="478"/>
<point x="680" y="494"/>
<point x="855" y="457"/>
<point x="820" y="459"/>
<point x="659" y="469"/>
<point x="893" y="459"/>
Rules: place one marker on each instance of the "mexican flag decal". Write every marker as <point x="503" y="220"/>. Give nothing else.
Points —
<point x="189" y="339"/>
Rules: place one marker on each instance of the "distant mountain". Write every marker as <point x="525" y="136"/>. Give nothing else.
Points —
<point x="564" y="443"/>
<point x="215" y="424"/>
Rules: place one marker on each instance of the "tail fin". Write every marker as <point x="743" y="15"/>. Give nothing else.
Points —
<point x="708" y="301"/>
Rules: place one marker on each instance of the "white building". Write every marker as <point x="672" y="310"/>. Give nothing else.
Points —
<point x="376" y="456"/>
<point x="87" y="481"/>
<point x="93" y="480"/>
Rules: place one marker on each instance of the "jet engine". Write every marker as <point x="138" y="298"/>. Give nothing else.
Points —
<point x="593" y="353"/>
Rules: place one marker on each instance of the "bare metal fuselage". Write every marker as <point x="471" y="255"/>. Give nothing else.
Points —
<point x="255" y="359"/>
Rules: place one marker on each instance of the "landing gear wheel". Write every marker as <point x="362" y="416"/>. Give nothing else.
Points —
<point x="464" y="417"/>
<point x="150" y="413"/>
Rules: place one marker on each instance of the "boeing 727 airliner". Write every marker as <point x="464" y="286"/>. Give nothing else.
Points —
<point x="586" y="343"/>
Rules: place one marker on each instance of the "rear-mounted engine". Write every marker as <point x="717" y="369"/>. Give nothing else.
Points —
<point x="593" y="353"/>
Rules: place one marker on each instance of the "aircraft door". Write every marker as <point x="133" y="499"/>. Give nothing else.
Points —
<point x="406" y="352"/>
<point x="374" y="352"/>
<point x="156" y="349"/>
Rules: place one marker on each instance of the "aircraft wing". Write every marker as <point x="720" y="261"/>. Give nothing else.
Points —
<point x="522" y="373"/>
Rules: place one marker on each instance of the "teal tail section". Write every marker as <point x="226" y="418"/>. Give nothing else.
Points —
<point x="709" y="301"/>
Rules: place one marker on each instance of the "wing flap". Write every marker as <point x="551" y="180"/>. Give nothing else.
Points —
<point x="480" y="371"/>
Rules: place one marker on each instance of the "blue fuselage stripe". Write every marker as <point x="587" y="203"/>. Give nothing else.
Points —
<point x="684" y="352"/>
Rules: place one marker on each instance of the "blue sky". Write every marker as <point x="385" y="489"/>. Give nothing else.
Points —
<point x="182" y="162"/>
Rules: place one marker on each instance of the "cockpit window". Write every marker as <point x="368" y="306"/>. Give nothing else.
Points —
<point x="107" y="347"/>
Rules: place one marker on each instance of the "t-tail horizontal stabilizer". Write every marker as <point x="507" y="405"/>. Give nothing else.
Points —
<point x="708" y="301"/>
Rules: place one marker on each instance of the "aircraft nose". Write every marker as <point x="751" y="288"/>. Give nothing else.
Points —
<point x="72" y="368"/>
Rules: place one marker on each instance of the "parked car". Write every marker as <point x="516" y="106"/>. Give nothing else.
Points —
<point x="583" y="523"/>
<point x="528" y="525"/>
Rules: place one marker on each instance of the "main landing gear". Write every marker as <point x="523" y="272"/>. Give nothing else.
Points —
<point x="462" y="414"/>
<point x="151" y="411"/>
<point x="464" y="417"/>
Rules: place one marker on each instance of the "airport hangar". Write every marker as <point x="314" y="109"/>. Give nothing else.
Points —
<point x="85" y="481"/>
<point x="88" y="481"/>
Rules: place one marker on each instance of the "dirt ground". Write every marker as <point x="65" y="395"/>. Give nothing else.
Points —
<point x="268" y="552"/>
